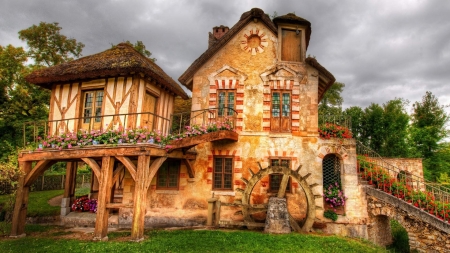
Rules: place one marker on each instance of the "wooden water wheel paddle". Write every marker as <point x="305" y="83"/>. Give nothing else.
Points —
<point x="248" y="209"/>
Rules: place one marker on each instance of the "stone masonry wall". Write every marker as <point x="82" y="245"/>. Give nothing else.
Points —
<point x="426" y="232"/>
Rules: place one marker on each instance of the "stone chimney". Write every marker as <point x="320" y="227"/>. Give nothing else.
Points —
<point x="218" y="32"/>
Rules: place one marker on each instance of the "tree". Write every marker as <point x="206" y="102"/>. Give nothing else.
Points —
<point x="427" y="131"/>
<point x="372" y="127"/>
<point x="12" y="60"/>
<point x="395" y="132"/>
<point x="428" y="125"/>
<point x="356" y="114"/>
<point x="331" y="103"/>
<point x="140" y="47"/>
<point x="47" y="46"/>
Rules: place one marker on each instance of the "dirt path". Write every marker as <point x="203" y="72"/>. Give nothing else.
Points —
<point x="56" y="201"/>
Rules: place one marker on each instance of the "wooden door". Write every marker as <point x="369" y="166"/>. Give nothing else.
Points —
<point x="148" y="110"/>
<point x="290" y="45"/>
<point x="92" y="110"/>
<point x="281" y="112"/>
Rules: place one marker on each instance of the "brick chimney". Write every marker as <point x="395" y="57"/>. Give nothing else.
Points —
<point x="218" y="32"/>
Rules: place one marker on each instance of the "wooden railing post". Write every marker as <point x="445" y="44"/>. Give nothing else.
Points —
<point x="213" y="217"/>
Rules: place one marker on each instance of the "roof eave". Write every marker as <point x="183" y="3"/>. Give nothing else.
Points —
<point x="326" y="79"/>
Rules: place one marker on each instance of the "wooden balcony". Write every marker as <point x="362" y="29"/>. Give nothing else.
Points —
<point x="139" y="156"/>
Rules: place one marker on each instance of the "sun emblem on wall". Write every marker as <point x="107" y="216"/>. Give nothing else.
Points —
<point x="254" y="41"/>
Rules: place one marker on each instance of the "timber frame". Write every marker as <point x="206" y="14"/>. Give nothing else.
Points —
<point x="142" y="161"/>
<point x="149" y="158"/>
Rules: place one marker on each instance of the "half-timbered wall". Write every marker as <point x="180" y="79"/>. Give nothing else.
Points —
<point x="121" y="96"/>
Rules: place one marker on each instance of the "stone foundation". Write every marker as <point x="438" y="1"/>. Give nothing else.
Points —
<point x="345" y="229"/>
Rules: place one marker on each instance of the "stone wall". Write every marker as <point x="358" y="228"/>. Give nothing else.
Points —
<point x="426" y="232"/>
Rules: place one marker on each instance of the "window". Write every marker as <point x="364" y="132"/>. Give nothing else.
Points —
<point x="92" y="106"/>
<point x="223" y="173"/>
<point x="275" y="179"/>
<point x="148" y="111"/>
<point x="331" y="167"/>
<point x="281" y="111"/>
<point x="291" y="45"/>
<point x="226" y="100"/>
<point x="168" y="175"/>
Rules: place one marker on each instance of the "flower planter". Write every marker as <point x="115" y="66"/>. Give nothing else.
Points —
<point x="340" y="210"/>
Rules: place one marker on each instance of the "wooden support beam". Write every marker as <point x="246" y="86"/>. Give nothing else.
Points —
<point x="101" y="151"/>
<point x="104" y="197"/>
<point x="283" y="185"/>
<point x="139" y="198"/>
<point x="118" y="205"/>
<point x="69" y="185"/>
<point x="129" y="165"/>
<point x="38" y="169"/>
<point x="144" y="176"/>
<point x="189" y="167"/>
<point x="94" y="166"/>
<point x="21" y="204"/>
<point x="154" y="168"/>
<point x="117" y="172"/>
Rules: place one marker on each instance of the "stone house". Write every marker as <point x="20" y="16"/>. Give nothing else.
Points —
<point x="256" y="76"/>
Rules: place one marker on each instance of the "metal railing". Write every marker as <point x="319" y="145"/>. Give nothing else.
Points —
<point x="175" y="125"/>
<point x="401" y="184"/>
<point x="204" y="117"/>
<point x="339" y="120"/>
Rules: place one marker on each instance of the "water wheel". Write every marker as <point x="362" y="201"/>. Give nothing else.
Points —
<point x="248" y="209"/>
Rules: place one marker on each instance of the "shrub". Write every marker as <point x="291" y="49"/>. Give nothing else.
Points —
<point x="330" y="214"/>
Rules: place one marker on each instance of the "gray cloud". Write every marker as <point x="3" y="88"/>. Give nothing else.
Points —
<point x="380" y="49"/>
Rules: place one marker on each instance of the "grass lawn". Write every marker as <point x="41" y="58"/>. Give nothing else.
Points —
<point x="37" y="203"/>
<point x="55" y="239"/>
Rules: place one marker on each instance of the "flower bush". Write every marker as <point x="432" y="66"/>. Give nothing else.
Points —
<point x="334" y="196"/>
<point x="331" y="130"/>
<point x="84" y="204"/>
<point x="83" y="138"/>
<point x="403" y="189"/>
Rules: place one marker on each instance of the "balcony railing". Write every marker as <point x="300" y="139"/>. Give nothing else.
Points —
<point x="176" y="124"/>
<point x="339" y="120"/>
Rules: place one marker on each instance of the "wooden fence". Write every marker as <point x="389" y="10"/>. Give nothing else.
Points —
<point x="46" y="183"/>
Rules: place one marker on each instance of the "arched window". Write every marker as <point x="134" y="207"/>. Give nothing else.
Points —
<point x="331" y="168"/>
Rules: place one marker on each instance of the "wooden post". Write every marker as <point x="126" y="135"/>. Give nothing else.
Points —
<point x="144" y="176"/>
<point x="104" y="196"/>
<point x="69" y="188"/>
<point x="211" y="211"/>
<point x="20" y="207"/>
<point x="140" y="198"/>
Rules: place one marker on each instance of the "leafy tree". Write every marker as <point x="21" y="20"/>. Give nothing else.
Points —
<point x="47" y="46"/>
<point x="356" y="115"/>
<point x="395" y="132"/>
<point x="140" y="47"/>
<point x="331" y="103"/>
<point x="12" y="60"/>
<point x="21" y="101"/>
<point x="428" y="125"/>
<point x="372" y="127"/>
<point x="427" y="131"/>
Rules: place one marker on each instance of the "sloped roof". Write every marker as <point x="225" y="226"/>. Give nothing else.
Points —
<point x="245" y="18"/>
<point x="326" y="79"/>
<point x="120" y="59"/>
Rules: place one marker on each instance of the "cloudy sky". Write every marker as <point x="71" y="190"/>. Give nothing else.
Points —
<point x="380" y="49"/>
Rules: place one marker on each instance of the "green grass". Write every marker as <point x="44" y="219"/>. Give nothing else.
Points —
<point x="37" y="203"/>
<point x="191" y="241"/>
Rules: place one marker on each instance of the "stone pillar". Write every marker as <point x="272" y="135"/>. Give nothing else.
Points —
<point x="277" y="219"/>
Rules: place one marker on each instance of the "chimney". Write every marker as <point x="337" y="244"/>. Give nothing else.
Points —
<point x="218" y="32"/>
